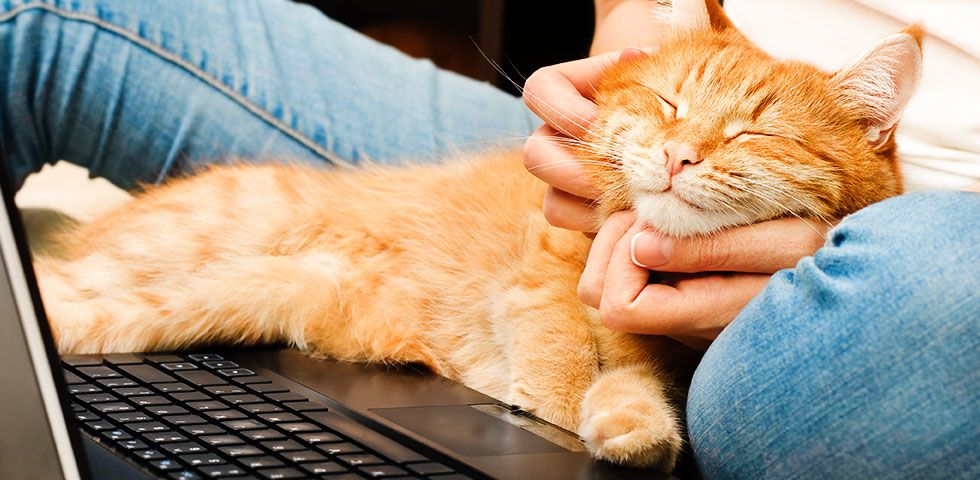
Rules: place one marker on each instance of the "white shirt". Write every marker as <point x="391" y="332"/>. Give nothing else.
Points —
<point x="939" y="134"/>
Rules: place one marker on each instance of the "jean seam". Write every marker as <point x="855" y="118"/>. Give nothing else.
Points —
<point x="189" y="67"/>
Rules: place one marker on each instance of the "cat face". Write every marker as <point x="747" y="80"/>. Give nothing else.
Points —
<point x="710" y="132"/>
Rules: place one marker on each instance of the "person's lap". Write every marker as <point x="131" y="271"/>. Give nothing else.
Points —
<point x="136" y="90"/>
<point x="859" y="363"/>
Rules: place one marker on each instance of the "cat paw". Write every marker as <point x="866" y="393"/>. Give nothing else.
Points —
<point x="628" y="436"/>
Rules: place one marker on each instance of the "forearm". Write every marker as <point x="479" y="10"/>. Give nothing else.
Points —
<point x="625" y="23"/>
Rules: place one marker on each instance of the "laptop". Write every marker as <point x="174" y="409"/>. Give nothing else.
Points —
<point x="248" y="413"/>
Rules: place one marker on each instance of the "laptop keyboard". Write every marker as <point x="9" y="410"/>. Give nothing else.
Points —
<point x="202" y="416"/>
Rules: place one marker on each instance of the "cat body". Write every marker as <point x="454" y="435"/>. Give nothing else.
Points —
<point x="454" y="265"/>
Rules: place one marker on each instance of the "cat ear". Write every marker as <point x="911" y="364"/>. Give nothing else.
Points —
<point x="694" y="15"/>
<point x="880" y="84"/>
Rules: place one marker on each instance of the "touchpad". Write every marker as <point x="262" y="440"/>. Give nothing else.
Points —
<point x="468" y="431"/>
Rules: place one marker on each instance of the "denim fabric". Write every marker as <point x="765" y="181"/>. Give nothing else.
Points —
<point x="134" y="89"/>
<point x="861" y="362"/>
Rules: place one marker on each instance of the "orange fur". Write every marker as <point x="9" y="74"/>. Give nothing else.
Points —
<point x="454" y="266"/>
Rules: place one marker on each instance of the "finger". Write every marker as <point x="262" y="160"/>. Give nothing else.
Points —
<point x="548" y="159"/>
<point x="560" y="94"/>
<point x="699" y="307"/>
<point x="761" y="248"/>
<point x="591" y="283"/>
<point x="567" y="211"/>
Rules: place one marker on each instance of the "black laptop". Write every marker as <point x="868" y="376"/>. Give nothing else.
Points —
<point x="263" y="413"/>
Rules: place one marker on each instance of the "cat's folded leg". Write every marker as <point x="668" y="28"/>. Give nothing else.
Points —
<point x="247" y="300"/>
<point x="627" y="419"/>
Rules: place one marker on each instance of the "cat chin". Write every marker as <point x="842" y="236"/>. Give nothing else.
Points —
<point x="666" y="213"/>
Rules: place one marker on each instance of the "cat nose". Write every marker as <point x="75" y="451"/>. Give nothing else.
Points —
<point x="679" y="154"/>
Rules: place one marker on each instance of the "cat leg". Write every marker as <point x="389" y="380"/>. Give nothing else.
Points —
<point x="552" y="355"/>
<point x="103" y="307"/>
<point x="627" y="419"/>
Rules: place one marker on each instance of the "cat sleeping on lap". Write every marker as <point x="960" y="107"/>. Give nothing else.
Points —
<point x="455" y="267"/>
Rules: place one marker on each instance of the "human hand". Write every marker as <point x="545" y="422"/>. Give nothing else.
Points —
<point x="561" y="95"/>
<point x="738" y="263"/>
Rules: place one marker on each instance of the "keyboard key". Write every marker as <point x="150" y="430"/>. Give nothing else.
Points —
<point x="147" y="373"/>
<point x="319" y="437"/>
<point x="205" y="357"/>
<point x="283" y="446"/>
<point x="76" y="407"/>
<point x="164" y="410"/>
<point x="155" y="358"/>
<point x="243" y="425"/>
<point x="83" y="388"/>
<point x="236" y="372"/>
<point x="71" y="378"/>
<point x="98" y="372"/>
<point x="279" y="417"/>
<point x="178" y="366"/>
<point x="300" y="427"/>
<point x="82" y="360"/>
<point x="267" y="388"/>
<point x="261" y="408"/>
<point x="121" y="359"/>
<point x="99" y="425"/>
<point x="180" y="420"/>
<point x="147" y="427"/>
<point x="222" y="415"/>
<point x="218" y="471"/>
<point x="173" y="387"/>
<point x="132" y="445"/>
<point x="430" y="468"/>
<point x="165" y="465"/>
<point x="207" y="429"/>
<point x="190" y="396"/>
<point x="151" y="400"/>
<point x="132" y="391"/>
<point x="149" y="454"/>
<point x="203" y="459"/>
<point x="241" y="399"/>
<point x="117" y="382"/>
<point x="86" y="416"/>
<point x="369" y="438"/>
<point x="221" y="364"/>
<point x="383" y="471"/>
<point x="185" y="475"/>
<point x="286" y="397"/>
<point x="225" y="389"/>
<point x="251" y="380"/>
<point x="208" y="405"/>
<point x="241" y="451"/>
<point x="361" y="459"/>
<point x="96" y="398"/>
<point x="267" y="434"/>
<point x="112" y="407"/>
<point x="321" y="468"/>
<point x="184" y="448"/>
<point x="200" y="378"/>
<point x="116" y="435"/>
<point x="306" y="406"/>
<point x="259" y="462"/>
<point x="221" y="440"/>
<point x="339" y="448"/>
<point x="281" y="473"/>
<point x="127" y="417"/>
<point x="164" y="437"/>
<point x="304" y="456"/>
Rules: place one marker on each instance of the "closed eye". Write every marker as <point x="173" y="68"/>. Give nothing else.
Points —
<point x="747" y="135"/>
<point x="668" y="103"/>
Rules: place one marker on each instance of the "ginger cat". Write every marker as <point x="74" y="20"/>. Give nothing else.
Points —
<point x="454" y="266"/>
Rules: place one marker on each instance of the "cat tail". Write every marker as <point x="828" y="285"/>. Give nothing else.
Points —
<point x="108" y="307"/>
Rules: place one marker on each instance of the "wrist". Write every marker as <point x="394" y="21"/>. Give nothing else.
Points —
<point x="625" y="23"/>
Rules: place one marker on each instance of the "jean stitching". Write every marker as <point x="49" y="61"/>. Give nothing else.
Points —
<point x="187" y="66"/>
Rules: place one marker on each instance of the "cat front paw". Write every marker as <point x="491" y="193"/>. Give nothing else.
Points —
<point x="627" y="435"/>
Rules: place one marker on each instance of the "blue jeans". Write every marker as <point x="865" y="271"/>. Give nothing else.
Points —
<point x="859" y="363"/>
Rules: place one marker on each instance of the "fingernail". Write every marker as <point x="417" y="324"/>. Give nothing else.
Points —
<point x="631" y="53"/>
<point x="653" y="249"/>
